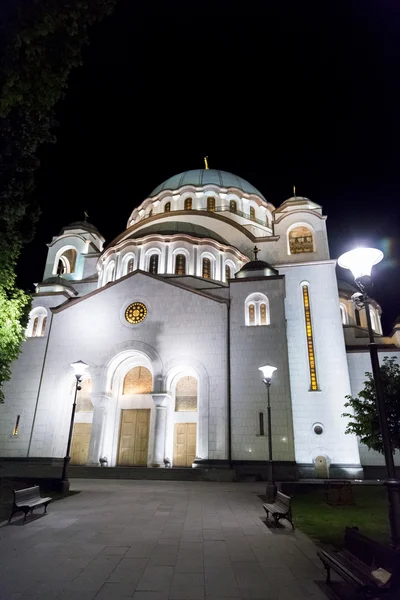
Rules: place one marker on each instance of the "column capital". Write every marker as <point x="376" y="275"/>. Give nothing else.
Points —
<point x="100" y="400"/>
<point x="160" y="399"/>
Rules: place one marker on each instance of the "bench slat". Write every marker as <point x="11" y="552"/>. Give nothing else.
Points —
<point x="33" y="502"/>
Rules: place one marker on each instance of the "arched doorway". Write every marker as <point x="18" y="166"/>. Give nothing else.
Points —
<point x="321" y="467"/>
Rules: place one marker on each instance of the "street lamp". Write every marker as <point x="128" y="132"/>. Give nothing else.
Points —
<point x="360" y="262"/>
<point x="79" y="368"/>
<point x="268" y="371"/>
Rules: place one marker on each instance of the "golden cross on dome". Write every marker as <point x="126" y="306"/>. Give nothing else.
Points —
<point x="86" y="215"/>
<point x="256" y="251"/>
<point x="206" y="161"/>
<point x="294" y="191"/>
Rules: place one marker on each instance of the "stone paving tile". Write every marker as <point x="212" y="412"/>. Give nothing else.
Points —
<point x="109" y="591"/>
<point x="156" y="579"/>
<point x="116" y="550"/>
<point x="160" y="541"/>
<point x="150" y="596"/>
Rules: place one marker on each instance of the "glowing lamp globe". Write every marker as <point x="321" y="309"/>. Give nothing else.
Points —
<point x="267" y="371"/>
<point x="360" y="261"/>
<point x="79" y="368"/>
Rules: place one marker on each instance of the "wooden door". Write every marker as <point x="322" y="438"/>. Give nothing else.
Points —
<point x="80" y="443"/>
<point x="184" y="444"/>
<point x="134" y="437"/>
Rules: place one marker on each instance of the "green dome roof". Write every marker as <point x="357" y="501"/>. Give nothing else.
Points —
<point x="201" y="177"/>
<point x="176" y="227"/>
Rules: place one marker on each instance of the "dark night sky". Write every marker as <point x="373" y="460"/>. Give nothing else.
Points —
<point x="280" y="93"/>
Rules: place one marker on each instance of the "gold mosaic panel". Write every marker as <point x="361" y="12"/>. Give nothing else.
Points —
<point x="300" y="240"/>
<point x="138" y="380"/>
<point x="186" y="395"/>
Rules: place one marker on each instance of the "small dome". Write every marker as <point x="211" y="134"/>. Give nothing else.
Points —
<point x="176" y="227"/>
<point x="256" y="268"/>
<point x="80" y="225"/>
<point x="202" y="177"/>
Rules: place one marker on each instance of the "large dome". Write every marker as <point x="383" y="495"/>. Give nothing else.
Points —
<point x="201" y="177"/>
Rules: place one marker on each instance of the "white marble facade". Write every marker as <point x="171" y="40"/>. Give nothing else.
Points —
<point x="213" y="316"/>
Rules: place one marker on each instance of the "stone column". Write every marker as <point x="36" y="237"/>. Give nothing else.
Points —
<point x="100" y="403"/>
<point x="160" y="401"/>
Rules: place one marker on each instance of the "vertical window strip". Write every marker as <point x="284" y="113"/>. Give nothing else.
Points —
<point x="180" y="264"/>
<point x="206" y="271"/>
<point x="310" y="341"/>
<point x="130" y="265"/>
<point x="35" y="326"/>
<point x="153" y="266"/>
<point x="211" y="204"/>
<point x="261" y="421"/>
<point x="263" y="314"/>
<point x="15" y="430"/>
<point x="43" y="327"/>
<point x="252" y="314"/>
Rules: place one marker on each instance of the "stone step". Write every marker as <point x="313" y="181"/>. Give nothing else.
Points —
<point x="147" y="473"/>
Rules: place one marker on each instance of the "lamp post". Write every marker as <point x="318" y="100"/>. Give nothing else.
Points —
<point x="360" y="262"/>
<point x="268" y="371"/>
<point x="79" y="368"/>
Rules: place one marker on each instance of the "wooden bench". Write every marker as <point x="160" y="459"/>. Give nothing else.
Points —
<point x="280" y="509"/>
<point x="26" y="500"/>
<point x="358" y="559"/>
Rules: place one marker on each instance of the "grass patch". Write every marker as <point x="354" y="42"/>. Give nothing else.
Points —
<point x="325" y="524"/>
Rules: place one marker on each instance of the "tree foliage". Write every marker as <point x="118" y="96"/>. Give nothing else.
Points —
<point x="365" y="420"/>
<point x="40" y="42"/>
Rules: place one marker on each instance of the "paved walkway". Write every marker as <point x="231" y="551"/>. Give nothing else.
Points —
<point x="156" y="540"/>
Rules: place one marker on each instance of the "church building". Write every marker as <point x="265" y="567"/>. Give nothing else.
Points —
<point x="174" y="317"/>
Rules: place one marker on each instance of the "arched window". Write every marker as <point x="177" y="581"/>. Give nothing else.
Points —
<point x="167" y="207"/>
<point x="66" y="262"/>
<point x="343" y="314"/>
<point x="358" y="317"/>
<point x="153" y="264"/>
<point x="228" y="274"/>
<point x="84" y="397"/>
<point x="130" y="265"/>
<point x="180" y="264"/>
<point x="252" y="213"/>
<point x="233" y="206"/>
<point x="211" y="204"/>
<point x="186" y="395"/>
<point x="310" y="339"/>
<point x="256" y="309"/>
<point x="300" y="240"/>
<point x="261" y="423"/>
<point x="35" y="326"/>
<point x="188" y="204"/>
<point x="37" y="322"/>
<point x="206" y="269"/>
<point x="138" y="380"/>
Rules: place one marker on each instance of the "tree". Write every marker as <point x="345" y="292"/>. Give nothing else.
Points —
<point x="365" y="421"/>
<point x="40" y="42"/>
